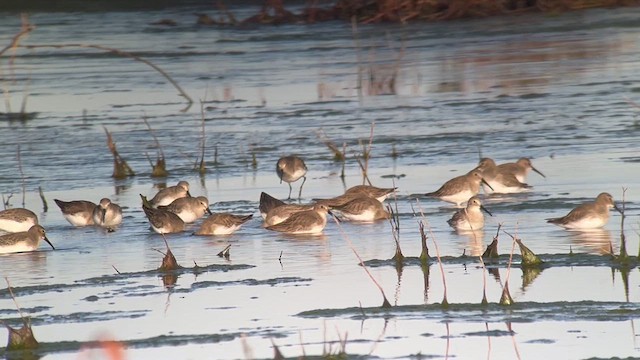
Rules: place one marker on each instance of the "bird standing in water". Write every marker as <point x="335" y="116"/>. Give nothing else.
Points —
<point x="291" y="169"/>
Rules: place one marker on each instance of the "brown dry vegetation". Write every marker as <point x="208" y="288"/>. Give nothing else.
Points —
<point x="372" y="11"/>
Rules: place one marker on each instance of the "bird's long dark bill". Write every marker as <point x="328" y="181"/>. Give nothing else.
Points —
<point x="188" y="194"/>
<point x="104" y="214"/>
<point x="49" y="242"/>
<point x="209" y="211"/>
<point x="485" y="210"/>
<point x="486" y="183"/>
<point x="617" y="208"/>
<point x="334" y="215"/>
<point x="536" y="170"/>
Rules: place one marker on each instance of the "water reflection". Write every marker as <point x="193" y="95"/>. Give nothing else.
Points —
<point x="502" y="65"/>
<point x="474" y="241"/>
<point x="595" y="241"/>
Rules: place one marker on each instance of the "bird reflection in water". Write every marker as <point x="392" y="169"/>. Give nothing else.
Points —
<point x="594" y="241"/>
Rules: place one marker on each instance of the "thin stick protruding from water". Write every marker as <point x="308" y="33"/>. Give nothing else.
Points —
<point x="160" y="168"/>
<point x="445" y="302"/>
<point x="121" y="53"/>
<point x="45" y="207"/>
<point x="225" y="252"/>
<point x="623" y="241"/>
<point x="385" y="302"/>
<point x="506" y="298"/>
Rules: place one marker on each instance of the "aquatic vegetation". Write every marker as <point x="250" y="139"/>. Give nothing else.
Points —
<point x="22" y="338"/>
<point x="121" y="169"/>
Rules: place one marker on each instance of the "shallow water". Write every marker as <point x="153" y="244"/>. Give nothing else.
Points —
<point x="553" y="88"/>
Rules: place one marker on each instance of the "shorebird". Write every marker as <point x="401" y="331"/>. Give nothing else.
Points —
<point x="362" y="208"/>
<point x="590" y="215"/>
<point x="189" y="209"/>
<point x="380" y="194"/>
<point x="460" y="189"/>
<point x="519" y="169"/>
<point x="222" y="224"/>
<point x="469" y="218"/>
<point x="107" y="214"/>
<point x="24" y="240"/>
<point x="17" y="220"/>
<point x="499" y="181"/>
<point x="168" y="195"/>
<point x="310" y="222"/>
<point x="268" y="203"/>
<point x="291" y="169"/>
<point x="162" y="221"/>
<point x="78" y="212"/>
<point x="283" y="212"/>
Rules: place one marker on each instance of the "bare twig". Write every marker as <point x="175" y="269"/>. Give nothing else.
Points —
<point x="45" y="207"/>
<point x="117" y="52"/>
<point x="445" y="302"/>
<point x="385" y="302"/>
<point x="160" y="168"/>
<point x="15" y="41"/>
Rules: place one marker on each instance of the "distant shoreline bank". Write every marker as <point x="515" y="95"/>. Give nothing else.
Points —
<point x="305" y="12"/>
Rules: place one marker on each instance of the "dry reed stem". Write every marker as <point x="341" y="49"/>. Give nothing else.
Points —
<point x="424" y="253"/>
<point x="121" y="53"/>
<point x="45" y="207"/>
<point x="506" y="298"/>
<point x="225" y="252"/>
<point x="22" y="338"/>
<point x="624" y="256"/>
<point x="484" y="282"/>
<point x="445" y="302"/>
<point x="277" y="355"/>
<point x="513" y="340"/>
<point x="25" y="29"/>
<point x="394" y="221"/>
<point x="6" y="202"/>
<point x="120" y="167"/>
<point x="385" y="302"/>
<point x="160" y="168"/>
<point x="169" y="261"/>
<point x="337" y="154"/>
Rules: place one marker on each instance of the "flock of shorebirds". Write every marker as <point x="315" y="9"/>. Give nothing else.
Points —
<point x="173" y="207"/>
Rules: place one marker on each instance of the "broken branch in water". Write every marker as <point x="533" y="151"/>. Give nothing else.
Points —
<point x="117" y="52"/>
<point x="25" y="29"/>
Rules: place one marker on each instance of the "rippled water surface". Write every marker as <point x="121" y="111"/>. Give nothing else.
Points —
<point x="558" y="89"/>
